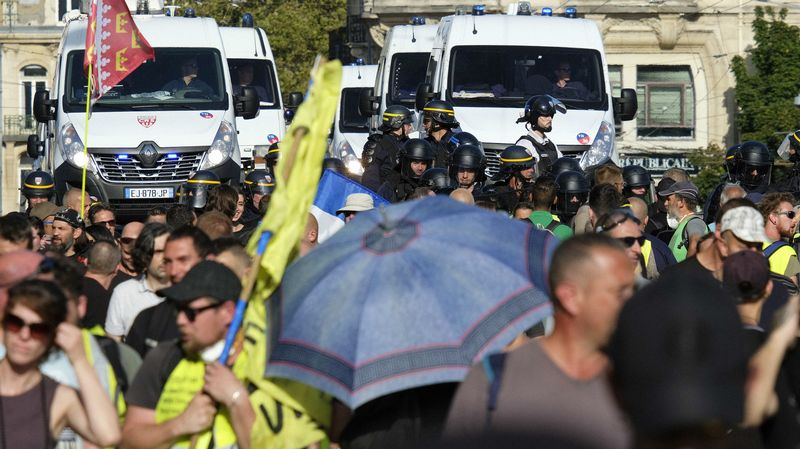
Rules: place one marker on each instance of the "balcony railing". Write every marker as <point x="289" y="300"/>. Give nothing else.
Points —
<point x="18" y="125"/>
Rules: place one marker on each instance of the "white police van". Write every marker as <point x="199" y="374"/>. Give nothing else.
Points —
<point x="489" y="65"/>
<point x="401" y="68"/>
<point x="351" y="129"/>
<point x="144" y="139"/>
<point x="251" y="63"/>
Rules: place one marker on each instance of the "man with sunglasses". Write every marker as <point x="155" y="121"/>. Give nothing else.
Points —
<point x="780" y="221"/>
<point x="622" y="225"/>
<point x="129" y="235"/>
<point x="565" y="87"/>
<point x="173" y="396"/>
<point x="102" y="214"/>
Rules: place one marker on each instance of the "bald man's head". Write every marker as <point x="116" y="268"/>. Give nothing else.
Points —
<point x="310" y="235"/>
<point x="72" y="199"/>
<point x="463" y="196"/>
<point x="639" y="208"/>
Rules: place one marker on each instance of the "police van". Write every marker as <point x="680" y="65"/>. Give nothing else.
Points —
<point x="251" y="63"/>
<point x="351" y="129"/>
<point x="401" y="68"/>
<point x="145" y="139"/>
<point x="489" y="65"/>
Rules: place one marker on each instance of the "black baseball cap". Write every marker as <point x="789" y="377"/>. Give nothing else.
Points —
<point x="745" y="275"/>
<point x="207" y="278"/>
<point x="69" y="216"/>
<point x="678" y="357"/>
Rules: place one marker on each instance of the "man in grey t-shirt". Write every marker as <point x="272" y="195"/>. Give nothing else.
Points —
<point x="556" y="386"/>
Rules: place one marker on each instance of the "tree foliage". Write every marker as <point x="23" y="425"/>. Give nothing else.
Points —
<point x="765" y="94"/>
<point x="298" y="30"/>
<point x="709" y="162"/>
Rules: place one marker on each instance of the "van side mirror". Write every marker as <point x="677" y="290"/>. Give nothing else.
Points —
<point x="366" y="102"/>
<point x="246" y="104"/>
<point x="626" y="105"/>
<point x="35" y="147"/>
<point x="295" y="99"/>
<point x="44" y="107"/>
<point x="424" y="95"/>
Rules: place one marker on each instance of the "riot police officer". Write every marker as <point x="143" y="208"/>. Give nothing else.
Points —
<point x="396" y="123"/>
<point x="468" y="167"/>
<point x="748" y="164"/>
<point x="517" y="170"/>
<point x="573" y="191"/>
<point x="538" y="119"/>
<point x="271" y="158"/>
<point x="414" y="158"/>
<point x="463" y="138"/>
<point x="439" y="120"/>
<point x="438" y="180"/>
<point x="194" y="193"/>
<point x="637" y="182"/>
<point x="563" y="164"/>
<point x="38" y="187"/>
<point x="257" y="184"/>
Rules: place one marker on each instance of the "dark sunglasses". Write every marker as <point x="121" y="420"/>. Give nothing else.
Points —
<point x="629" y="241"/>
<point x="106" y="223"/>
<point x="191" y="313"/>
<point x="564" y="69"/>
<point x="790" y="214"/>
<point x="15" y="324"/>
<point x="127" y="240"/>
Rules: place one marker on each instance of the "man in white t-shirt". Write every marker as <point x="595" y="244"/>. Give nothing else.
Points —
<point x="134" y="295"/>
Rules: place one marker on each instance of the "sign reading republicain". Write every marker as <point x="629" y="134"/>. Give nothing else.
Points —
<point x="660" y="163"/>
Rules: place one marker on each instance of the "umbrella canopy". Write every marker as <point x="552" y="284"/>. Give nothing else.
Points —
<point x="406" y="296"/>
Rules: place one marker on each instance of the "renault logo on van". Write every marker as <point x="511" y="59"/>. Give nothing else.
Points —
<point x="146" y="120"/>
<point x="148" y="156"/>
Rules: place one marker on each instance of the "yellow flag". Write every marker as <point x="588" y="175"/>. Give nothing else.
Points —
<point x="289" y="415"/>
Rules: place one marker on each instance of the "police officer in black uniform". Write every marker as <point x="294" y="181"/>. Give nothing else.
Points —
<point x="748" y="164"/>
<point x="468" y="167"/>
<point x="271" y="158"/>
<point x="439" y="120"/>
<point x="563" y="164"/>
<point x="413" y="159"/>
<point x="38" y="187"/>
<point x="380" y="158"/>
<point x="463" y="138"/>
<point x="538" y="119"/>
<point x="257" y="184"/>
<point x="573" y="191"/>
<point x="194" y="193"/>
<point x="437" y="180"/>
<point x="517" y="171"/>
<point x="637" y="182"/>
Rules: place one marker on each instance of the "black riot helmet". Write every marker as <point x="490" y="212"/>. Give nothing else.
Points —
<point x="541" y="105"/>
<point x="733" y="156"/>
<point x="335" y="164"/>
<point x="438" y="181"/>
<point x="441" y="113"/>
<point x="258" y="181"/>
<point x="513" y="160"/>
<point x="414" y="150"/>
<point x="38" y="184"/>
<point x="470" y="157"/>
<point x="272" y="156"/>
<point x="573" y="191"/>
<point x="463" y="138"/>
<point x="194" y="192"/>
<point x="395" y="116"/>
<point x="755" y="165"/>
<point x="635" y="176"/>
<point x="563" y="164"/>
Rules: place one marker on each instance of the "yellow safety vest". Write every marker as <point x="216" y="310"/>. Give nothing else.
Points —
<point x="779" y="260"/>
<point x="184" y="382"/>
<point x="114" y="391"/>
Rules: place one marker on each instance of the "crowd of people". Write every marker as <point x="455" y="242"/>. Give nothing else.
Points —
<point x="674" y="318"/>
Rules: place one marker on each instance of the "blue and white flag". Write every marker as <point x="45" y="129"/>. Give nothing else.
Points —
<point x="331" y="196"/>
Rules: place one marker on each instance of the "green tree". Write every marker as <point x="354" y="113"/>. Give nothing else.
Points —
<point x="298" y="30"/>
<point x="765" y="94"/>
<point x="709" y="163"/>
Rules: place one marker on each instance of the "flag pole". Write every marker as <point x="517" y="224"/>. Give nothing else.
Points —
<point x="86" y="142"/>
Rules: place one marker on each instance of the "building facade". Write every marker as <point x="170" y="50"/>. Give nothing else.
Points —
<point x="676" y="53"/>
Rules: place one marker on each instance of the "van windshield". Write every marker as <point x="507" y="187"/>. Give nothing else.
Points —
<point x="496" y="76"/>
<point x="257" y="73"/>
<point x="408" y="71"/>
<point x="178" y="78"/>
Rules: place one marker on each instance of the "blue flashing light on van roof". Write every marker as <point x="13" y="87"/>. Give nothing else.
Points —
<point x="571" y="12"/>
<point x="417" y="20"/>
<point x="247" y="20"/>
<point x="478" y="10"/>
<point x="189" y="12"/>
<point x="547" y="12"/>
<point x="358" y="61"/>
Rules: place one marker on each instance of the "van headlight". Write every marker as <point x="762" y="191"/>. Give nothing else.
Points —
<point x="221" y="148"/>
<point x="602" y="147"/>
<point x="351" y="161"/>
<point x="72" y="148"/>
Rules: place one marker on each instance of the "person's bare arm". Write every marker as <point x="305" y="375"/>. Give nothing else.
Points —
<point x="142" y="432"/>
<point x="223" y="387"/>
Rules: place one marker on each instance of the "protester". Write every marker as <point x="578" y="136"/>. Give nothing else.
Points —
<point x="230" y="252"/>
<point x="780" y="222"/>
<point x="179" y="215"/>
<point x="591" y="277"/>
<point x="623" y="226"/>
<point x="656" y="254"/>
<point x="72" y="200"/>
<point x="174" y="394"/>
<point x="309" y="239"/>
<point x="69" y="237"/>
<point x="15" y="233"/>
<point x="462" y="196"/>
<point x="215" y="224"/>
<point x="681" y="203"/>
<point x="134" y="295"/>
<point x="156" y="214"/>
<point x="127" y="240"/>
<point x="544" y="199"/>
<point x="102" y="265"/>
<point x="355" y="203"/>
<point x="103" y="215"/>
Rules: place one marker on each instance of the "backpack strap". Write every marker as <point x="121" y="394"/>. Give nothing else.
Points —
<point x="552" y="226"/>
<point x="111" y="351"/>
<point x="685" y="234"/>
<point x="774" y="247"/>
<point x="493" y="366"/>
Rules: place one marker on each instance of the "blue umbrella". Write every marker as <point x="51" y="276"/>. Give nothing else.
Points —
<point x="407" y="296"/>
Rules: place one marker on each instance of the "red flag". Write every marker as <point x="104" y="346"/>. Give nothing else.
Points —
<point x="114" y="45"/>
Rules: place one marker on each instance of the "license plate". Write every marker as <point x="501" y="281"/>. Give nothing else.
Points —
<point x="138" y="193"/>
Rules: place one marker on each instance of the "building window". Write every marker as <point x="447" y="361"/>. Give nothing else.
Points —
<point x="666" y="102"/>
